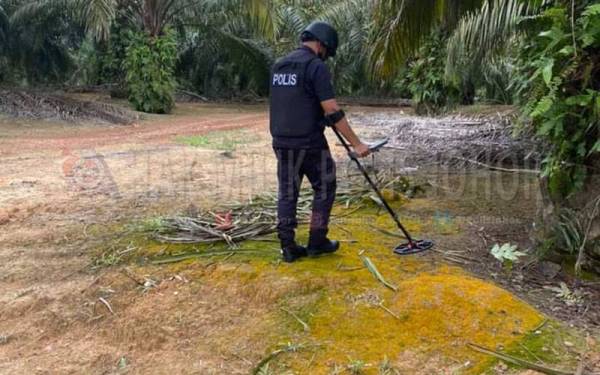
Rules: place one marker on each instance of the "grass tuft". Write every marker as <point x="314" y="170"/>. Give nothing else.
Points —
<point x="222" y="140"/>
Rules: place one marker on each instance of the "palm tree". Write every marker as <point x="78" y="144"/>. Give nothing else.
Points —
<point x="227" y="40"/>
<point x="96" y="15"/>
<point x="32" y="20"/>
<point x="38" y="39"/>
<point x="4" y="24"/>
<point x="152" y="16"/>
<point x="224" y="40"/>
<point x="485" y="34"/>
<point x="352" y="19"/>
<point x="400" y="26"/>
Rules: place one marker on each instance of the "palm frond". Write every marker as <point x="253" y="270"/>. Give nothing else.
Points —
<point x="352" y="19"/>
<point x="4" y="27"/>
<point x="250" y="55"/>
<point x="261" y="14"/>
<point x="25" y="13"/>
<point x="486" y="31"/>
<point x="343" y="12"/>
<point x="97" y="15"/>
<point x="41" y="33"/>
<point x="401" y="26"/>
<point x="291" y="21"/>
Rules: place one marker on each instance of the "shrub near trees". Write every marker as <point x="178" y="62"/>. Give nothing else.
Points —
<point x="431" y="93"/>
<point x="150" y="61"/>
<point x="562" y="99"/>
<point x="562" y="92"/>
<point x="556" y="84"/>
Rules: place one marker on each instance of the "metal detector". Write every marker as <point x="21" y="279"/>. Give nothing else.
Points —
<point x="410" y="247"/>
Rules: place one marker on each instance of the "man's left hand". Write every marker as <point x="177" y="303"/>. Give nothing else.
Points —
<point x="361" y="150"/>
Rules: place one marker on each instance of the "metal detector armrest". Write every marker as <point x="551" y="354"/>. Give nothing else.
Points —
<point x="376" y="146"/>
<point x="373" y="147"/>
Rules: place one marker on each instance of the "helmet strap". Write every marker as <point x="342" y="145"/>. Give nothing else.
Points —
<point x="323" y="55"/>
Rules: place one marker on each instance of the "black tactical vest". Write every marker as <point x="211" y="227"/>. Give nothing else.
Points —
<point x="295" y="109"/>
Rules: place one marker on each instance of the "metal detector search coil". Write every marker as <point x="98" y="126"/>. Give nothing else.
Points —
<point x="412" y="246"/>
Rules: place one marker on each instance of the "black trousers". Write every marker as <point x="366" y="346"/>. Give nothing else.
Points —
<point x="318" y="166"/>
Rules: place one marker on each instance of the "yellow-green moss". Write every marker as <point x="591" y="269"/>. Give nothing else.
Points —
<point x="438" y="313"/>
<point x="439" y="308"/>
<point x="547" y="344"/>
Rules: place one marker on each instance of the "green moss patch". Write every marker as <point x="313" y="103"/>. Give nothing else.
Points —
<point x="219" y="140"/>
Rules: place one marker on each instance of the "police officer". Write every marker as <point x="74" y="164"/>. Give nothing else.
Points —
<point x="302" y="102"/>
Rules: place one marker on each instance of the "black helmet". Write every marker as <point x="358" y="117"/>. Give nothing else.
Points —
<point x="324" y="33"/>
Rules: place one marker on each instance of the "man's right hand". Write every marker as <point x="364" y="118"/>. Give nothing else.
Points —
<point x="361" y="150"/>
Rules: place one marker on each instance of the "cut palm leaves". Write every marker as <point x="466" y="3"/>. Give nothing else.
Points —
<point x="371" y="267"/>
<point x="518" y="361"/>
<point x="256" y="218"/>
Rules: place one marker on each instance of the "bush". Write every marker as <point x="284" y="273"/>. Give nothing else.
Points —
<point x="562" y="93"/>
<point x="112" y="54"/>
<point x="150" y="63"/>
<point x="430" y="93"/>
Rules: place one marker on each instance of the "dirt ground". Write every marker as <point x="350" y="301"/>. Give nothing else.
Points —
<point x="58" y="181"/>
<point x="68" y="190"/>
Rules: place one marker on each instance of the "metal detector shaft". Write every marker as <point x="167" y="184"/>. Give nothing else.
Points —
<point x="373" y="185"/>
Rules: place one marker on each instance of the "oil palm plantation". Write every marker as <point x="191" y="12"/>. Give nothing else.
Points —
<point x="150" y="15"/>
<point x="230" y="52"/>
<point x="352" y="19"/>
<point x="223" y="44"/>
<point x="49" y="32"/>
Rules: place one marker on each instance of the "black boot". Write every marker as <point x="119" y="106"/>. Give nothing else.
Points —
<point x="325" y="246"/>
<point x="291" y="253"/>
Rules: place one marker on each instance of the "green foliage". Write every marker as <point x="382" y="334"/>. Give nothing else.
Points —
<point x="225" y="47"/>
<point x="401" y="26"/>
<point x="560" y="93"/>
<point x="4" y="35"/>
<point x="357" y="366"/>
<point x="149" y="63"/>
<point x="112" y="51"/>
<point x="223" y="141"/>
<point x="86" y="60"/>
<point x="37" y="42"/>
<point x="228" y="56"/>
<point x="225" y="52"/>
<point x="570" y="232"/>
<point x="353" y="20"/>
<point x="570" y="298"/>
<point x="495" y="77"/>
<point x="401" y="84"/>
<point x="430" y="92"/>
<point x="483" y="47"/>
<point x="506" y="252"/>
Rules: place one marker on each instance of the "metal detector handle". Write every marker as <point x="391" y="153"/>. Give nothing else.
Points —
<point x="373" y="185"/>
<point x="373" y="147"/>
